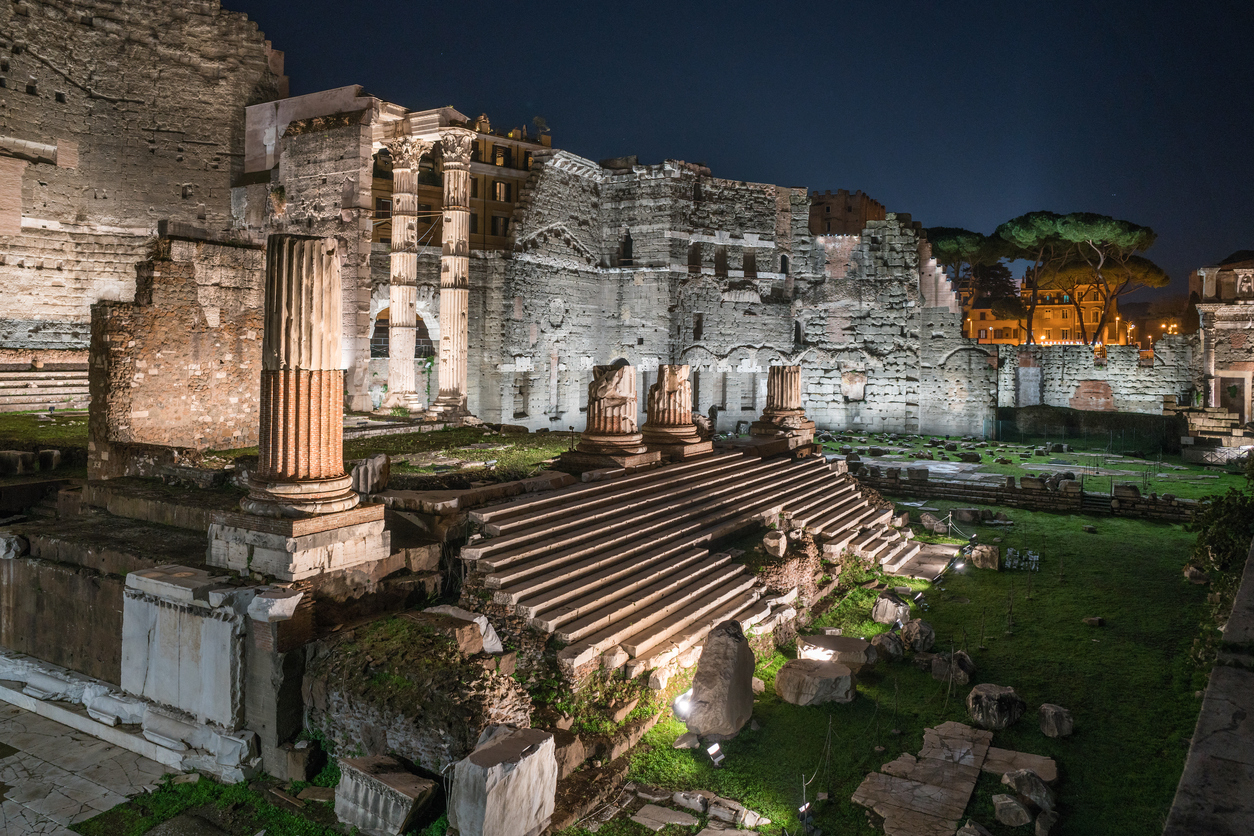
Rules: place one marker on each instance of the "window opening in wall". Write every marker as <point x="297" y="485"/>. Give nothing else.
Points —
<point x="751" y="264"/>
<point x="696" y="190"/>
<point x="720" y="261"/>
<point x="476" y="154"/>
<point x="983" y="334"/>
<point x="4" y="82"/>
<point x="379" y="338"/>
<point x="382" y="208"/>
<point x="522" y="393"/>
<point x="1066" y="314"/>
<point x="1066" y="333"/>
<point x="829" y="226"/>
<point x="983" y="316"/>
<point x="527" y="160"/>
<point x="1097" y="316"/>
<point x="798" y="334"/>
<point x="721" y="382"/>
<point x="783" y="264"/>
<point x="639" y="340"/>
<point x="625" y="258"/>
<point x="694" y="258"/>
<point x="749" y="393"/>
<point x="4" y="66"/>
<point x="425" y="213"/>
<point x="698" y="325"/>
<point x="502" y="191"/>
<point x="60" y="97"/>
<point x="502" y="156"/>
<point x="474" y="224"/>
<point x="500" y="225"/>
<point x="828" y="210"/>
<point x="474" y="186"/>
<point x="423" y="346"/>
<point x="1049" y="335"/>
<point x="30" y="89"/>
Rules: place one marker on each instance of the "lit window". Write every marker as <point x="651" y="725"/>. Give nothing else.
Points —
<point x="501" y="191"/>
<point x="500" y="225"/>
<point x="983" y="334"/>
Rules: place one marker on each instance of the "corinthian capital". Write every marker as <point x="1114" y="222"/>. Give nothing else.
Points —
<point x="455" y="143"/>
<point x="406" y="151"/>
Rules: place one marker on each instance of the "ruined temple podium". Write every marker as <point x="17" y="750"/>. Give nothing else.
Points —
<point x="668" y="428"/>
<point x="301" y="516"/>
<point x="611" y="437"/>
<point x="783" y="418"/>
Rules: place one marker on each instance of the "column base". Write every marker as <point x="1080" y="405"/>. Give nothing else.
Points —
<point x="411" y="401"/>
<point x="295" y="549"/>
<point x="577" y="461"/>
<point x="449" y="408"/>
<point x="307" y="498"/>
<point x="676" y="443"/>
<point x="797" y="428"/>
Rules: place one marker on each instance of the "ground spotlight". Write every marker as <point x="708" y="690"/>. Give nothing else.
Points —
<point x="716" y="754"/>
<point x="682" y="705"/>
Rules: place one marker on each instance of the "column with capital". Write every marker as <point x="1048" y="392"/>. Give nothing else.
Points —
<point x="455" y="145"/>
<point x="406" y="152"/>
<point x="783" y="415"/>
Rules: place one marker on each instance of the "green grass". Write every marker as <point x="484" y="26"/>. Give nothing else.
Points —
<point x="1129" y="686"/>
<point x="64" y="429"/>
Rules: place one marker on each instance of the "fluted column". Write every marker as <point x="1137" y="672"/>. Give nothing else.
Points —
<point x="668" y="410"/>
<point x="783" y="414"/>
<point x="300" y="471"/>
<point x="406" y="152"/>
<point x="454" y="273"/>
<point x="611" y="428"/>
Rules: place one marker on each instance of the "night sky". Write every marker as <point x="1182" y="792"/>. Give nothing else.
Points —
<point x="959" y="114"/>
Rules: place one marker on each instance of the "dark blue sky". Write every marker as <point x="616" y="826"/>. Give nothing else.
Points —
<point x="960" y="114"/>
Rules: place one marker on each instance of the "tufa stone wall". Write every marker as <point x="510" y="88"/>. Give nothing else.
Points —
<point x="1069" y="376"/>
<point x="180" y="366"/>
<point x="143" y="102"/>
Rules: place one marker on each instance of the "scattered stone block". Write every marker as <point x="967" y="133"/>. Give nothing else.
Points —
<point x="985" y="556"/>
<point x="464" y="633"/>
<point x="722" y="689"/>
<point x="890" y="608"/>
<point x="957" y="667"/>
<point x="1090" y="529"/>
<point x="810" y="682"/>
<point x="724" y="809"/>
<point x="379" y="796"/>
<point x="317" y="794"/>
<point x="1001" y="761"/>
<point x="619" y="713"/>
<point x="687" y="740"/>
<point x="994" y="707"/>
<point x="1056" y="721"/>
<point x="758" y="686"/>
<point x="491" y="642"/>
<point x="614" y="658"/>
<point x="1045" y="822"/>
<point x="973" y="828"/>
<point x="655" y="818"/>
<point x="13" y="546"/>
<point x="1094" y="621"/>
<point x="569" y="752"/>
<point x="695" y="801"/>
<point x="918" y="636"/>
<point x="775" y="543"/>
<point x="49" y="459"/>
<point x="889" y="646"/>
<point x="370" y="475"/>
<point x="848" y="650"/>
<point x="1010" y="811"/>
<point x="1030" y="789"/>
<point x="506" y="786"/>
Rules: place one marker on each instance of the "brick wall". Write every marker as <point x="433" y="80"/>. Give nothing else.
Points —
<point x="180" y="366"/>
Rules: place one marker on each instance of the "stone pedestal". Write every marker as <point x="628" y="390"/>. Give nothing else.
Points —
<point x="506" y="787"/>
<point x="378" y="796"/>
<point x="294" y="549"/>
<point x="668" y="427"/>
<point x="611" y="437"/>
<point x="406" y="152"/>
<point x="451" y="404"/>
<point x="301" y="465"/>
<point x="783" y="416"/>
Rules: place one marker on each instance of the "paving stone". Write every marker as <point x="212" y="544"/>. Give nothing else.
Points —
<point x="655" y="818"/>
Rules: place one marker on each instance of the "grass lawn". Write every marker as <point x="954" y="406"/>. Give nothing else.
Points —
<point x="67" y="429"/>
<point x="1129" y="686"/>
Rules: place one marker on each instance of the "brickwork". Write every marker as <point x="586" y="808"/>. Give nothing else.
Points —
<point x="143" y="102"/>
<point x="179" y="366"/>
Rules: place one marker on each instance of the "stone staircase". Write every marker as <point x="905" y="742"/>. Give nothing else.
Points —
<point x="624" y="569"/>
<point x="37" y="389"/>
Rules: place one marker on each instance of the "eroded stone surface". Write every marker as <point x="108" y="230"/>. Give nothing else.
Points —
<point x="811" y="682"/>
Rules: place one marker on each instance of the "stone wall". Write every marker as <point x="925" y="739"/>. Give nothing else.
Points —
<point x="143" y="102"/>
<point x="1069" y="376"/>
<point x="179" y="366"/>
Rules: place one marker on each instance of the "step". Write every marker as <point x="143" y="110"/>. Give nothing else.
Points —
<point x="528" y="560"/>
<point x="856" y="520"/>
<point x="683" y="638"/>
<point x="901" y="556"/>
<point x="628" y="497"/>
<point x="40" y="374"/>
<point x="539" y="538"/>
<point x="582" y="595"/>
<point x="838" y="516"/>
<point x="837" y="493"/>
<point x="645" y="640"/>
<point x="701" y="578"/>
<point x="495" y="514"/>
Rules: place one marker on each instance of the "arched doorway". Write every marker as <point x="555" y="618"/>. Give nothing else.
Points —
<point x="380" y="344"/>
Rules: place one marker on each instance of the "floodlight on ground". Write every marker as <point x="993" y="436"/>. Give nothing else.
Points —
<point x="682" y="705"/>
<point x="917" y="597"/>
<point x="959" y="565"/>
<point x="716" y="754"/>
